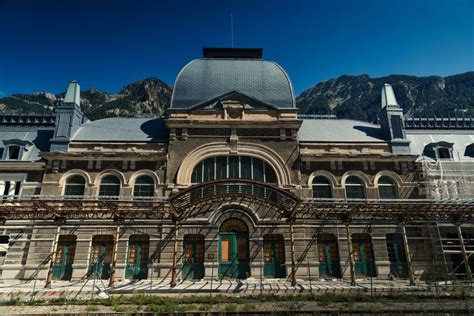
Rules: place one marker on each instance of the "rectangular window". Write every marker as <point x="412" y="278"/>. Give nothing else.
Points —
<point x="322" y="191"/>
<point x="225" y="250"/>
<point x="14" y="152"/>
<point x="386" y="192"/>
<point x="355" y="192"/>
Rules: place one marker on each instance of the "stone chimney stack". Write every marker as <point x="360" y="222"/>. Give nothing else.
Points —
<point x="69" y="118"/>
<point x="392" y="121"/>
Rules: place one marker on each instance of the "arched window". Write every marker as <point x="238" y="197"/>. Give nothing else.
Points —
<point x="233" y="167"/>
<point x="144" y="187"/>
<point x="75" y="186"/>
<point x="387" y="188"/>
<point x="354" y="188"/>
<point x="322" y="188"/>
<point x="109" y="186"/>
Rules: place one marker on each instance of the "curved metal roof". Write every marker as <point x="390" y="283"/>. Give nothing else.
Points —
<point x="203" y="80"/>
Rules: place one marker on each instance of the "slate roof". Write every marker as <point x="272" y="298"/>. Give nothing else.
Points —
<point x="203" y="80"/>
<point x="460" y="139"/>
<point x="39" y="137"/>
<point x="340" y="130"/>
<point x="119" y="129"/>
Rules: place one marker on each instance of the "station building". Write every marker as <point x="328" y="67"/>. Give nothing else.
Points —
<point x="233" y="183"/>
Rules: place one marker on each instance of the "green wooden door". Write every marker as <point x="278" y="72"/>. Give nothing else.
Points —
<point x="363" y="257"/>
<point x="137" y="262"/>
<point x="233" y="255"/>
<point x="329" y="265"/>
<point x="274" y="257"/>
<point x="193" y="258"/>
<point x="101" y="258"/>
<point x="227" y="254"/>
<point x="64" y="258"/>
<point x="396" y="256"/>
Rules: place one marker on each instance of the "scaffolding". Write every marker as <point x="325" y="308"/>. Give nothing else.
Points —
<point x="447" y="179"/>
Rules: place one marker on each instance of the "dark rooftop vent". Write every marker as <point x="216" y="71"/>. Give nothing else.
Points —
<point x="248" y="53"/>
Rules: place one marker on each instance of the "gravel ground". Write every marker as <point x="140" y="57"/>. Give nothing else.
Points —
<point x="405" y="308"/>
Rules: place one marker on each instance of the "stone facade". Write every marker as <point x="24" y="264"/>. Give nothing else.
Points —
<point x="263" y="240"/>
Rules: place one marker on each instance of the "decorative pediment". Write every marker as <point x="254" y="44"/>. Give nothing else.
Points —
<point x="234" y="97"/>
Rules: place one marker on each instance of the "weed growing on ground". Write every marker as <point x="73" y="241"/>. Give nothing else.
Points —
<point x="229" y="308"/>
<point x="92" y="308"/>
<point x="247" y="307"/>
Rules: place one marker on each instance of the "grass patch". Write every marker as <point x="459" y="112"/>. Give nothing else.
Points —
<point x="92" y="308"/>
<point x="169" y="304"/>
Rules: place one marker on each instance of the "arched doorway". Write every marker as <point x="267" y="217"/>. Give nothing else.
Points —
<point x="233" y="251"/>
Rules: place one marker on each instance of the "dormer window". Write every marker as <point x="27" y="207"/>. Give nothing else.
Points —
<point x="469" y="151"/>
<point x="14" y="149"/>
<point x="443" y="153"/>
<point x="440" y="150"/>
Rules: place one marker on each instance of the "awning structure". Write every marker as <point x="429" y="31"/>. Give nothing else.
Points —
<point x="387" y="210"/>
<point x="63" y="208"/>
<point x="234" y="190"/>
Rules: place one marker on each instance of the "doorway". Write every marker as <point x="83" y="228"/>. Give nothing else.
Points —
<point x="193" y="257"/>
<point x="137" y="260"/>
<point x="274" y="256"/>
<point x="64" y="258"/>
<point x="233" y="254"/>
<point x="101" y="256"/>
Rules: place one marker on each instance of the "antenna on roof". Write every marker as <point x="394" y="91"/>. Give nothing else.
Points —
<point x="232" y="30"/>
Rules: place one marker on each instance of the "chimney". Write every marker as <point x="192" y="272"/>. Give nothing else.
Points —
<point x="69" y="118"/>
<point x="392" y="121"/>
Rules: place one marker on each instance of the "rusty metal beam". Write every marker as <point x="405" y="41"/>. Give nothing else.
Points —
<point x="54" y="249"/>
<point x="114" y="257"/>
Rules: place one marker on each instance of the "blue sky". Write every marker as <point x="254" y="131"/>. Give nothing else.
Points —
<point x="107" y="44"/>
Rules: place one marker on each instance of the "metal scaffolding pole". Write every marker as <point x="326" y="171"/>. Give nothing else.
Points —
<point x="408" y="255"/>
<point x="292" y="248"/>
<point x="175" y="255"/>
<point x="351" y="254"/>
<point x="114" y="258"/>
<point x="464" y="253"/>
<point x="54" y="249"/>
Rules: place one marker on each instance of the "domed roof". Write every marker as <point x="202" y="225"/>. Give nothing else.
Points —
<point x="204" y="80"/>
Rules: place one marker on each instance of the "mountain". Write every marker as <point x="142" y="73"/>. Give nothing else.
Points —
<point x="358" y="97"/>
<point x="147" y="97"/>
